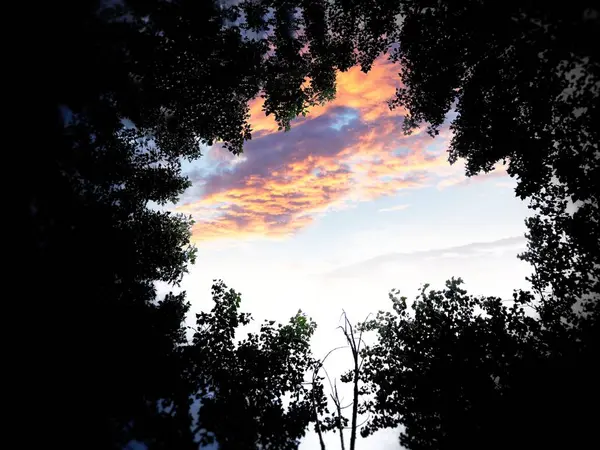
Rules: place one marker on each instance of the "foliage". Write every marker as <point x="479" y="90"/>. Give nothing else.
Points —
<point x="519" y="82"/>
<point x="523" y="80"/>
<point x="185" y="71"/>
<point x="459" y="371"/>
<point x="130" y="89"/>
<point x="243" y="386"/>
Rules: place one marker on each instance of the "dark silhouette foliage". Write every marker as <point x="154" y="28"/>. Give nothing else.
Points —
<point x="459" y="371"/>
<point x="252" y="391"/>
<point x="128" y="89"/>
<point x="524" y="81"/>
<point x="131" y="88"/>
<point x="519" y="82"/>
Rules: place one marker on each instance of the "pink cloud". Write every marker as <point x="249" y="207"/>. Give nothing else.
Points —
<point x="348" y="151"/>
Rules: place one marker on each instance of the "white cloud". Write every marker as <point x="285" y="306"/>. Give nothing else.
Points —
<point x="395" y="208"/>
<point x="472" y="250"/>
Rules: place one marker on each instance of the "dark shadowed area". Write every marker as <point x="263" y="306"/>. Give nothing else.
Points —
<point x="129" y="93"/>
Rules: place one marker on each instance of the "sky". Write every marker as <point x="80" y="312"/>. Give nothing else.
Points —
<point x="331" y="215"/>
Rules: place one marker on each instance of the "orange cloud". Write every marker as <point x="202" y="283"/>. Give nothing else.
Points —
<point x="368" y="93"/>
<point x="286" y="180"/>
<point x="275" y="207"/>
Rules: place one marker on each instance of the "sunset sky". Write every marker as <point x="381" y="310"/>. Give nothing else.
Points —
<point x="334" y="213"/>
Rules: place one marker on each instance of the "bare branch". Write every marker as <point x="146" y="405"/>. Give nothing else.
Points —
<point x="365" y="421"/>
<point x="329" y="353"/>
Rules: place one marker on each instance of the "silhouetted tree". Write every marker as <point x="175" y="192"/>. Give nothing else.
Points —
<point x="336" y="421"/>
<point x="240" y="392"/>
<point x="130" y="89"/>
<point x="252" y="391"/>
<point x="520" y="83"/>
<point x="523" y="81"/>
<point x="460" y="371"/>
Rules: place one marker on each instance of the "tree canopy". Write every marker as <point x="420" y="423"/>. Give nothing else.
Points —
<point x="137" y="87"/>
<point x="459" y="371"/>
<point x="232" y="389"/>
<point x="523" y="80"/>
<point x="519" y="82"/>
<point x="134" y="87"/>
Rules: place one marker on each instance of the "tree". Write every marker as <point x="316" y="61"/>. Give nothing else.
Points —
<point x="460" y="371"/>
<point x="336" y="421"/>
<point x="129" y="90"/>
<point x="252" y="392"/>
<point x="241" y="392"/>
<point x="522" y="79"/>
<point x="519" y="82"/>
